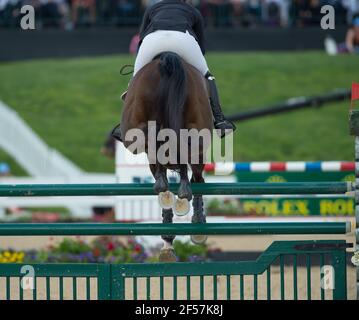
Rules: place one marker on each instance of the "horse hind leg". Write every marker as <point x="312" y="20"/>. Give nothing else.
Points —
<point x="184" y="193"/>
<point x="198" y="217"/>
<point x="197" y="203"/>
<point x="166" y="198"/>
<point x="167" y="253"/>
<point x="198" y="212"/>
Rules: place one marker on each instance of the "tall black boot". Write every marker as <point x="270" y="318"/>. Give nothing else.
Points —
<point x="220" y="122"/>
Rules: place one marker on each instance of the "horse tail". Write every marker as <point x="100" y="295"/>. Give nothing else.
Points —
<point x="172" y="92"/>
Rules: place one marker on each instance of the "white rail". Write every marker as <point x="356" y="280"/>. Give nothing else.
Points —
<point x="29" y="150"/>
<point x="33" y="154"/>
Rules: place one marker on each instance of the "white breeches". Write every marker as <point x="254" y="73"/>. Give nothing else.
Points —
<point x="184" y="44"/>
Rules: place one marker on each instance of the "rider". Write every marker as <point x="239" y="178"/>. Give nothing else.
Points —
<point x="177" y="26"/>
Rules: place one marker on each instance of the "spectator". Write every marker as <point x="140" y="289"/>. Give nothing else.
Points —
<point x="307" y="12"/>
<point x="50" y="14"/>
<point x="246" y="12"/>
<point x="106" y="11"/>
<point x="276" y="12"/>
<point x="64" y="10"/>
<point x="238" y="9"/>
<point x="82" y="7"/>
<point x="271" y="13"/>
<point x="221" y="12"/>
<point x="9" y="13"/>
<point x="128" y="12"/>
<point x="254" y="11"/>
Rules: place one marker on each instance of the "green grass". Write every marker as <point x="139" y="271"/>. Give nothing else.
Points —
<point x="73" y="103"/>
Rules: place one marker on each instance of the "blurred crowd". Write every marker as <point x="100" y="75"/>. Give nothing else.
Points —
<point x="69" y="14"/>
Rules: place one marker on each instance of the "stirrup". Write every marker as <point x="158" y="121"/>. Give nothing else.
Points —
<point x="123" y="96"/>
<point x="116" y="133"/>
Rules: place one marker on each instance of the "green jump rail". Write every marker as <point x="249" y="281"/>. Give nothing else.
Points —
<point x="147" y="229"/>
<point x="131" y="189"/>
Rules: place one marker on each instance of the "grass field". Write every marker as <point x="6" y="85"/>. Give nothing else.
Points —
<point x="73" y="103"/>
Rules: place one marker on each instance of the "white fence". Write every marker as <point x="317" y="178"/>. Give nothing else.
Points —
<point x="29" y="150"/>
<point x="34" y="155"/>
<point x="79" y="206"/>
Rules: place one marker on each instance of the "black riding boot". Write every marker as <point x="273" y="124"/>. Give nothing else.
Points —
<point x="220" y="122"/>
<point x="116" y="133"/>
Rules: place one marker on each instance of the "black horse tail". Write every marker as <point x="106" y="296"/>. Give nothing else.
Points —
<point x="172" y="92"/>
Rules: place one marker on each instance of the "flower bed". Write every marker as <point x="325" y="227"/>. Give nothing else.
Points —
<point x="101" y="250"/>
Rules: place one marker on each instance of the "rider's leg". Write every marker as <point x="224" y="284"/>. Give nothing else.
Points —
<point x="191" y="52"/>
<point x="220" y="122"/>
<point x="148" y="50"/>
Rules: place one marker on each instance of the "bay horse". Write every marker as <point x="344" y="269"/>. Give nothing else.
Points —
<point x="172" y="94"/>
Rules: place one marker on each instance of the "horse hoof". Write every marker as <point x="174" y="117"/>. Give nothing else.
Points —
<point x="199" y="238"/>
<point x="181" y="207"/>
<point x="167" y="255"/>
<point x="166" y="200"/>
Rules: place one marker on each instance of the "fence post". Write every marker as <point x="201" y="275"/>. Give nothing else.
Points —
<point x="104" y="282"/>
<point x="354" y="131"/>
<point x="340" y="275"/>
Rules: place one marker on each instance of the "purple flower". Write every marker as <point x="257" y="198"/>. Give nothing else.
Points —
<point x="140" y="257"/>
<point x="89" y="256"/>
<point x="82" y="257"/>
<point x="195" y="258"/>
